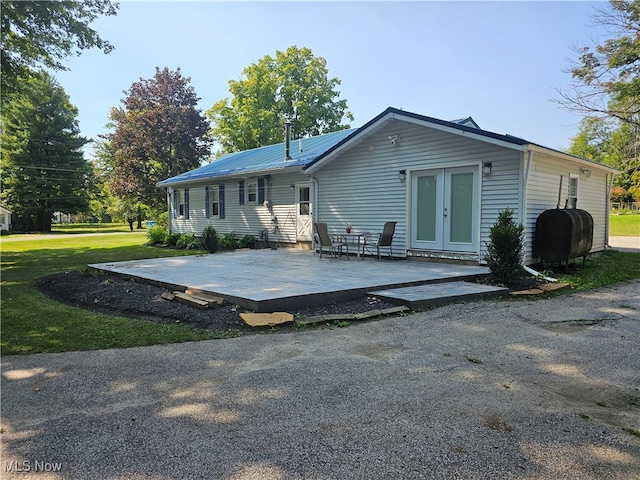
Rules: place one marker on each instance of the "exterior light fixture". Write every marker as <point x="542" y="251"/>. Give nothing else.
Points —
<point x="586" y="172"/>
<point x="402" y="175"/>
<point x="393" y="139"/>
<point x="486" y="168"/>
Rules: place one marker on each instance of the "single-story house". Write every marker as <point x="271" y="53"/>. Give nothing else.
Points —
<point x="5" y="218"/>
<point x="443" y="182"/>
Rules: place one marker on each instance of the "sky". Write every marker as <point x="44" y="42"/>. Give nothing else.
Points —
<point x="500" y="62"/>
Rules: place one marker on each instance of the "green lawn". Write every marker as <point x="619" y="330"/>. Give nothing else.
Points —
<point x="624" y="225"/>
<point x="31" y="322"/>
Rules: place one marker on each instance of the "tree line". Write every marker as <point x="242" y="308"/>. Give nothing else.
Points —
<point x="157" y="130"/>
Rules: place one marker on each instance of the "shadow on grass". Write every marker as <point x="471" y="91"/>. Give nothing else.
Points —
<point x="32" y="322"/>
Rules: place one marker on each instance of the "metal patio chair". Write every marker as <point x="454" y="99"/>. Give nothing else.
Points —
<point x="381" y="240"/>
<point x="327" y="243"/>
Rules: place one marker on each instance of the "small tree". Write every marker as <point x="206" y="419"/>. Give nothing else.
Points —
<point x="506" y="248"/>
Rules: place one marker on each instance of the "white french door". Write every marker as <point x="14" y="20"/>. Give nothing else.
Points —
<point x="444" y="209"/>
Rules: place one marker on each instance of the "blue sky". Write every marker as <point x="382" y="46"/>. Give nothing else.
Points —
<point x="500" y="62"/>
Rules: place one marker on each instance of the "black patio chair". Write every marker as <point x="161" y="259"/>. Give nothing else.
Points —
<point x="381" y="240"/>
<point x="327" y="243"/>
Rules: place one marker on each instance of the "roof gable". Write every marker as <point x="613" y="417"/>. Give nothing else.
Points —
<point x="460" y="127"/>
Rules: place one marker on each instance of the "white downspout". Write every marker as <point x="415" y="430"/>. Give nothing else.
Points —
<point x="169" y="210"/>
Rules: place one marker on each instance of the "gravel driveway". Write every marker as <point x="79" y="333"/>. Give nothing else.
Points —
<point x="545" y="389"/>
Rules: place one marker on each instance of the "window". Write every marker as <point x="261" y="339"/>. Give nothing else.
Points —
<point x="252" y="191"/>
<point x="181" y="203"/>
<point x="255" y="190"/>
<point x="572" y="201"/>
<point x="305" y="201"/>
<point x="215" y="201"/>
<point x="178" y="207"/>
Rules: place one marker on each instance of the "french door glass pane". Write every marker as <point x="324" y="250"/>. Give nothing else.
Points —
<point x="426" y="198"/>
<point x="461" y="215"/>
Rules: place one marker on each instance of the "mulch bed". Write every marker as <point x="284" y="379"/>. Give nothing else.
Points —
<point x="119" y="295"/>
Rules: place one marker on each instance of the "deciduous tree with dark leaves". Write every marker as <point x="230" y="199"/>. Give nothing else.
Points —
<point x="159" y="133"/>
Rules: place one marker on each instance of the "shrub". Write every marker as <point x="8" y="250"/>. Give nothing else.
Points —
<point x="162" y="219"/>
<point x="156" y="234"/>
<point x="506" y="248"/>
<point x="186" y="241"/>
<point x="210" y="239"/>
<point x="228" y="241"/>
<point x="171" y="239"/>
<point x="248" y="241"/>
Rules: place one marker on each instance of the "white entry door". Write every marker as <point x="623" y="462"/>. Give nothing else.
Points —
<point x="444" y="210"/>
<point x="304" y="211"/>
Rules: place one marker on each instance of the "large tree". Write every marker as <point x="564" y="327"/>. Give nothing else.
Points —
<point x="606" y="76"/>
<point x="159" y="133"/>
<point x="613" y="143"/>
<point x="43" y="166"/>
<point x="294" y="86"/>
<point x="37" y="34"/>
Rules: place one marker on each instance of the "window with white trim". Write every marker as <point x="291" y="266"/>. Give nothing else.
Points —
<point x="177" y="203"/>
<point x="572" y="200"/>
<point x="214" y="196"/>
<point x="252" y="191"/>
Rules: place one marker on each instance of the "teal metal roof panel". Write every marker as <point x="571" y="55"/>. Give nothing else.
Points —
<point x="272" y="157"/>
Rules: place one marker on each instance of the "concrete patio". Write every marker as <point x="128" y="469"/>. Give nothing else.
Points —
<point x="285" y="279"/>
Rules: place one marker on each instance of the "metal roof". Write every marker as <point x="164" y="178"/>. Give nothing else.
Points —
<point x="272" y="157"/>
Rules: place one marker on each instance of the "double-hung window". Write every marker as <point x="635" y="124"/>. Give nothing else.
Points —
<point x="214" y="201"/>
<point x="181" y="203"/>
<point x="572" y="200"/>
<point x="252" y="191"/>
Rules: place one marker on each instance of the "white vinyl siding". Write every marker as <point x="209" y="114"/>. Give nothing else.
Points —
<point x="246" y="218"/>
<point x="363" y="187"/>
<point x="544" y="187"/>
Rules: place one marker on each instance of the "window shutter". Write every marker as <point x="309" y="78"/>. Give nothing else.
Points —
<point x="186" y="203"/>
<point x="261" y="190"/>
<point x="221" y="201"/>
<point x="241" y="190"/>
<point x="175" y="203"/>
<point x="207" y="206"/>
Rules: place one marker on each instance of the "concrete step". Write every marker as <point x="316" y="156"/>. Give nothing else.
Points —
<point x="433" y="294"/>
